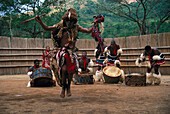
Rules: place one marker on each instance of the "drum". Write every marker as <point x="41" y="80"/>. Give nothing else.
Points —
<point x="83" y="78"/>
<point x="135" y="79"/>
<point x="42" y="77"/>
<point x="111" y="74"/>
<point x="41" y="72"/>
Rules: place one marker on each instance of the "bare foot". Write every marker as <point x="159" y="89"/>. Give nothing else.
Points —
<point x="68" y="93"/>
<point x="62" y="94"/>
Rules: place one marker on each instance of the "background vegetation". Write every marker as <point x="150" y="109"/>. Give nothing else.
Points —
<point x="122" y="18"/>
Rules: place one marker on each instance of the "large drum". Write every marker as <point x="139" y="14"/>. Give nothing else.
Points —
<point x="111" y="74"/>
<point x="84" y="78"/>
<point x="135" y="79"/>
<point x="42" y="77"/>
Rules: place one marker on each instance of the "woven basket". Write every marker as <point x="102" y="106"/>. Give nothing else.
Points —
<point x="111" y="74"/>
<point x="135" y="79"/>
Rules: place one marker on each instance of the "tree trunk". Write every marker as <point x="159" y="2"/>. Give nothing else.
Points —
<point x="158" y="26"/>
<point x="143" y="29"/>
<point x="10" y="27"/>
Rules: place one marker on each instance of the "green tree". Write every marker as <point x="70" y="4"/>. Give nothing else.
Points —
<point x="15" y="11"/>
<point x="138" y="12"/>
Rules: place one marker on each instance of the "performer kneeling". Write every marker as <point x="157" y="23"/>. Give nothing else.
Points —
<point x="40" y="76"/>
<point x="113" y="52"/>
<point x="84" y="63"/>
<point x="156" y="59"/>
<point x="85" y="71"/>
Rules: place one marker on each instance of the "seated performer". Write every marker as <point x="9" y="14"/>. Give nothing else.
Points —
<point x="156" y="59"/>
<point x="36" y="66"/>
<point x="43" y="76"/>
<point x="110" y="57"/>
<point x="31" y="69"/>
<point x="85" y="71"/>
<point x="113" y="52"/>
<point x="84" y="62"/>
<point x="46" y="57"/>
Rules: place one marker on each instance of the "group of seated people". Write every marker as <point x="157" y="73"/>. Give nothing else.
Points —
<point x="110" y="56"/>
<point x="43" y="74"/>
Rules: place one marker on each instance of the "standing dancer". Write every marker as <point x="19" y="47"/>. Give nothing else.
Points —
<point x="65" y="34"/>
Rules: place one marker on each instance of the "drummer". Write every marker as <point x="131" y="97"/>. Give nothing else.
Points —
<point x="49" y="82"/>
<point x="113" y="52"/>
<point x="84" y="62"/>
<point x="36" y="66"/>
<point x="85" y="69"/>
<point x="31" y="69"/>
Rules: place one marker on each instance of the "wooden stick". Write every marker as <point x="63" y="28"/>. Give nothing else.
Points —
<point x="31" y="19"/>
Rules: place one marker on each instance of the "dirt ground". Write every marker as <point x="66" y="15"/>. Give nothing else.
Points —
<point x="98" y="98"/>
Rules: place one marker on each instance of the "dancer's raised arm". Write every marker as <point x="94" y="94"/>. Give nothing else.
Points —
<point x="84" y="30"/>
<point x="44" y="26"/>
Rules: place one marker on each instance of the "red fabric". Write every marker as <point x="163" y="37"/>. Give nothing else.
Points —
<point x="150" y="56"/>
<point x="103" y="47"/>
<point x="114" y="51"/>
<point x="99" y="64"/>
<point x="43" y="63"/>
<point x="160" y="62"/>
<point x="93" y="33"/>
<point x="85" y="62"/>
<point x="36" y="67"/>
<point x="101" y="19"/>
<point x="70" y="66"/>
<point x="48" y="67"/>
<point x="96" y="34"/>
<point x="46" y="59"/>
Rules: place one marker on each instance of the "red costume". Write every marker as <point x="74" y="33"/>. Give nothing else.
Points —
<point x="69" y="63"/>
<point x="46" y="59"/>
<point x="155" y="51"/>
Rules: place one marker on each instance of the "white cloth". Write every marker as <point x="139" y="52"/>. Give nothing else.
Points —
<point x="99" y="75"/>
<point x="153" y="78"/>
<point x="29" y="83"/>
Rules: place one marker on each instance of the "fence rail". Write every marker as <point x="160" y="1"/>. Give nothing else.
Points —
<point x="17" y="54"/>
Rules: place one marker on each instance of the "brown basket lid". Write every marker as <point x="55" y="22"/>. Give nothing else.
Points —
<point x="112" y="71"/>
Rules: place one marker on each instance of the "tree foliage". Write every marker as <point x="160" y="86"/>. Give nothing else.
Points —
<point x="16" y="11"/>
<point x="139" y="12"/>
<point x="121" y="18"/>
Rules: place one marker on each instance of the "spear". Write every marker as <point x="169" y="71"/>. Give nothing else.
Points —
<point x="31" y="19"/>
